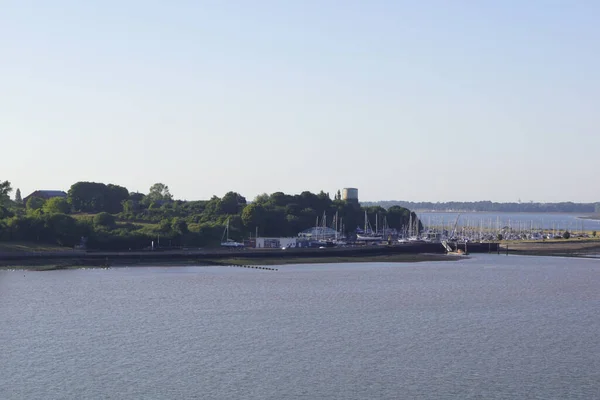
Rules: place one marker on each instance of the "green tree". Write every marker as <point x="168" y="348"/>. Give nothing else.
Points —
<point x="232" y="203"/>
<point x="114" y="195"/>
<point x="35" y="203"/>
<point x="4" y="233"/>
<point x="137" y="197"/>
<point x="274" y="222"/>
<point x="212" y="209"/>
<point x="179" y="226"/>
<point x="262" y="198"/>
<point x="308" y="218"/>
<point x="594" y="233"/>
<point x="18" y="198"/>
<point x="5" y="213"/>
<point x="129" y="206"/>
<point x="56" y="205"/>
<point x="293" y="209"/>
<point x="87" y="196"/>
<point x="104" y="220"/>
<point x="398" y="217"/>
<point x="164" y="226"/>
<point x="159" y="192"/>
<point x="27" y="228"/>
<point x="279" y="199"/>
<point x="62" y="229"/>
<point x="254" y="215"/>
<point x="97" y="197"/>
<point x="5" y="190"/>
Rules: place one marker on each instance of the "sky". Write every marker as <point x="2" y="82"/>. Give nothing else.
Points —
<point x="431" y="100"/>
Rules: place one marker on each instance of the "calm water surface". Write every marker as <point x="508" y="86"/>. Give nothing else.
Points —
<point x="491" y="327"/>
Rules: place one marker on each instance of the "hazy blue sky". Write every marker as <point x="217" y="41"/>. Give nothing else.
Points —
<point x="414" y="100"/>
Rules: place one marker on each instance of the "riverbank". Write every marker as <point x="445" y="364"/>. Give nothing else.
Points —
<point x="43" y="265"/>
<point x="552" y="248"/>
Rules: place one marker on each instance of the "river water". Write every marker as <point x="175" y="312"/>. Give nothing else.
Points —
<point x="490" y="327"/>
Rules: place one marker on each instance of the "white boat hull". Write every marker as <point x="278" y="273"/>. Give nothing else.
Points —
<point x="232" y="244"/>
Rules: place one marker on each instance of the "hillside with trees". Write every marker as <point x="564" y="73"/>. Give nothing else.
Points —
<point x="108" y="216"/>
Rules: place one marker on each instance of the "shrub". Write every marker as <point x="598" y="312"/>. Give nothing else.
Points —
<point x="34" y="203"/>
<point x="104" y="219"/>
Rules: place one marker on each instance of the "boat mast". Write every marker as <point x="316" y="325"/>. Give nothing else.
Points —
<point x="226" y="233"/>
<point x="317" y="228"/>
<point x="384" y="226"/>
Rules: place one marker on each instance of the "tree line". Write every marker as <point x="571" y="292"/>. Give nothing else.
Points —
<point x="108" y="216"/>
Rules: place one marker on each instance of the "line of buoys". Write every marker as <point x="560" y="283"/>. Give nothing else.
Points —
<point x="254" y="267"/>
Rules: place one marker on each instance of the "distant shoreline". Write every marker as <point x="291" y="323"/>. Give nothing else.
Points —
<point x="581" y="214"/>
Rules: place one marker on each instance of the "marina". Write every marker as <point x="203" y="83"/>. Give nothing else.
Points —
<point x="477" y="227"/>
<point x="452" y="227"/>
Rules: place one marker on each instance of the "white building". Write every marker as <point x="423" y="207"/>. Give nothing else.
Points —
<point x="275" y="243"/>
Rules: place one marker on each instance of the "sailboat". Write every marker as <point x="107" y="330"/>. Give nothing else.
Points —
<point x="339" y="239"/>
<point x="414" y="230"/>
<point x="368" y="232"/>
<point x="229" y="242"/>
